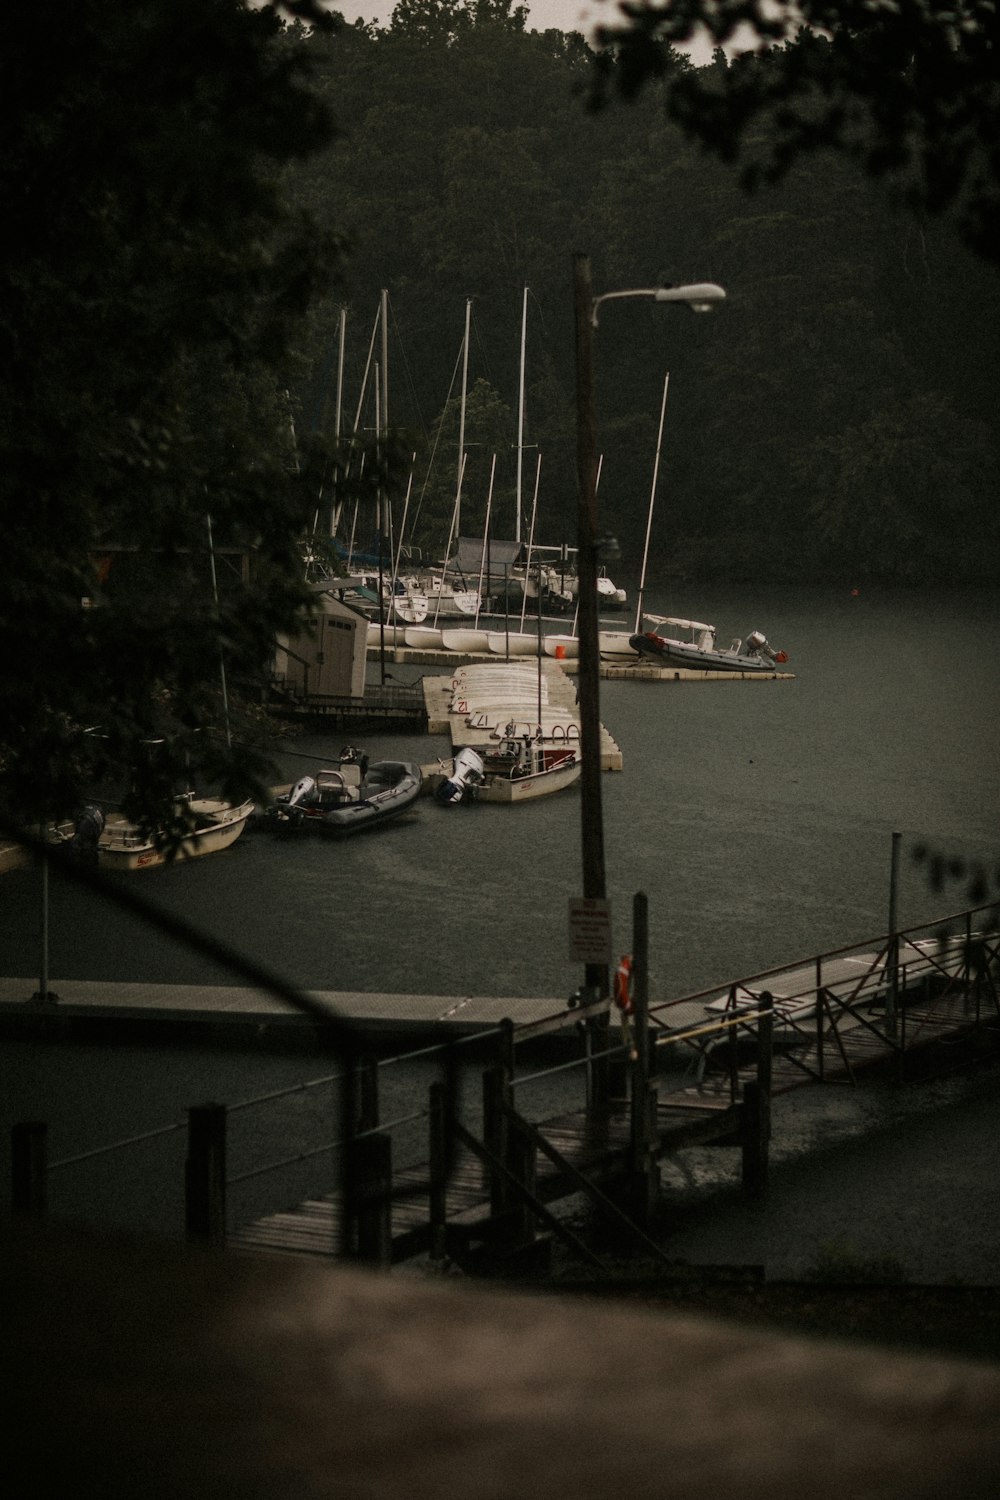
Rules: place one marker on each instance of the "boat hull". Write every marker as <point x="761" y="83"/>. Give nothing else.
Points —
<point x="562" y="647"/>
<point x="667" y="653"/>
<point x="468" y="641"/>
<point x="402" y="781"/>
<point x="513" y="643"/>
<point x="423" y="638"/>
<point x="561" y="771"/>
<point x="122" y="847"/>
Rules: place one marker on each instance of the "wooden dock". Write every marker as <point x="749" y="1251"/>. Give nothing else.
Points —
<point x="687" y="1074"/>
<point x="477" y="1173"/>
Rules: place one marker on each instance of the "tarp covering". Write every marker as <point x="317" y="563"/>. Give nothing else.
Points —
<point x="468" y="558"/>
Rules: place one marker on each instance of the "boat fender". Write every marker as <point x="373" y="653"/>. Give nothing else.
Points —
<point x="623" y="984"/>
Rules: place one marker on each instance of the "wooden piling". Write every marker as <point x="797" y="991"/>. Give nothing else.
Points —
<point x="205" y="1174"/>
<point x="29" y="1148"/>
<point x="372" y="1168"/>
<point x="439" y="1155"/>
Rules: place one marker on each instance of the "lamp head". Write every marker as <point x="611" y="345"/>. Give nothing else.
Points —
<point x="700" y="296"/>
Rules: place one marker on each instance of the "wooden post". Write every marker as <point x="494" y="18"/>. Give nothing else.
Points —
<point x="439" y="1154"/>
<point x="205" y="1174"/>
<point x="639" y="1141"/>
<point x="29" y="1149"/>
<point x="367" y="1093"/>
<point x="892" y="955"/>
<point x="373" y="1198"/>
<point x="765" y="1055"/>
<point x="496" y="1100"/>
<point x="755" y="1141"/>
<point x="643" y="1181"/>
<point x="820" y="1012"/>
<point x="522" y="1161"/>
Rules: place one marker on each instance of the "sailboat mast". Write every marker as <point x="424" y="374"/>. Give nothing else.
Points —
<point x="461" y="423"/>
<point x="531" y="543"/>
<point x="649" y="513"/>
<point x="385" y="519"/>
<point x="520" y="419"/>
<point x="222" y="659"/>
<point x="486" y="533"/>
<point x="338" y="414"/>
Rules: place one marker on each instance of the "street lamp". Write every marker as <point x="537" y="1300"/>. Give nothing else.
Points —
<point x="701" y="297"/>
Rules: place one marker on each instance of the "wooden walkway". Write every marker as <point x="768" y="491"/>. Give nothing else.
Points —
<point x="709" y="1079"/>
<point x="598" y="1152"/>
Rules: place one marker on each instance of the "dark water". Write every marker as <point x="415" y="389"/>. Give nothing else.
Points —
<point x="756" y="816"/>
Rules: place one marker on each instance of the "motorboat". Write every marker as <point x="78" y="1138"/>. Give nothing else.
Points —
<point x="113" y="842"/>
<point x="695" y="648"/>
<point x="348" y="797"/>
<point x="518" y="770"/>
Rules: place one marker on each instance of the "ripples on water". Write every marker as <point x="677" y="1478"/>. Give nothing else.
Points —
<point x="756" y="816"/>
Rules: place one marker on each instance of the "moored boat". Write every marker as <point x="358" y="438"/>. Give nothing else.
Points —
<point x="699" y="653"/>
<point x="424" y="638"/>
<point x="562" y="647"/>
<point x="118" y="844"/>
<point x="519" y="770"/>
<point x="513" y="642"/>
<point x="349" y="797"/>
<point x="465" y="639"/>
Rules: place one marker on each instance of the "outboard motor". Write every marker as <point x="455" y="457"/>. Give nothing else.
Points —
<point x="87" y="831"/>
<point x="756" y="644"/>
<point x="304" y="791"/>
<point x="466" y="776"/>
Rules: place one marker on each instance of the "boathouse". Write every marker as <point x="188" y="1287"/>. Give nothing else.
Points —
<point x="326" y="657"/>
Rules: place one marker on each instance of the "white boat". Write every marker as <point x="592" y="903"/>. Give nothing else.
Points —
<point x="445" y="601"/>
<point x="698" y="652"/>
<point x="469" y="701"/>
<point x="616" y="645"/>
<point x="493" y="671"/>
<point x="409" y="604"/>
<point x="423" y="638"/>
<point x="121" y="845"/>
<point x="555" y="724"/>
<point x="466" y="640"/>
<point x="519" y="770"/>
<point x="392" y="633"/>
<point x="562" y="647"/>
<point x="513" y="642"/>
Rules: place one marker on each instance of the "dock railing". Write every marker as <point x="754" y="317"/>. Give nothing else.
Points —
<point x="827" y="1016"/>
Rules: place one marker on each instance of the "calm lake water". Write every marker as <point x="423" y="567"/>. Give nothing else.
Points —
<point x="756" y="816"/>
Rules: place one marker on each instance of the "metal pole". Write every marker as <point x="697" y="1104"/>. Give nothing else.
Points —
<point x="588" y="672"/>
<point x="43" y="957"/>
<point x="892" y="996"/>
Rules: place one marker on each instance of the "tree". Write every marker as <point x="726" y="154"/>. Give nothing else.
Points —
<point x="152" y="278"/>
<point x="908" y="89"/>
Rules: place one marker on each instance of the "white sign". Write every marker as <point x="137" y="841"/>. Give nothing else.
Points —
<point x="589" y="930"/>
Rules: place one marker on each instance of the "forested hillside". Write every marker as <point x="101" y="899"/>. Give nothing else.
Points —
<point x="835" y="419"/>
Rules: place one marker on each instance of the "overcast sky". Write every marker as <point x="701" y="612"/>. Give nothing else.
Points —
<point x="566" y="15"/>
<point x="543" y="15"/>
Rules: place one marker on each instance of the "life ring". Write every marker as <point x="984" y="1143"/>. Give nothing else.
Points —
<point x="623" y="985"/>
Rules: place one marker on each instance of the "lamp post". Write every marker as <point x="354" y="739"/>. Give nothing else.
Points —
<point x="700" y="297"/>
